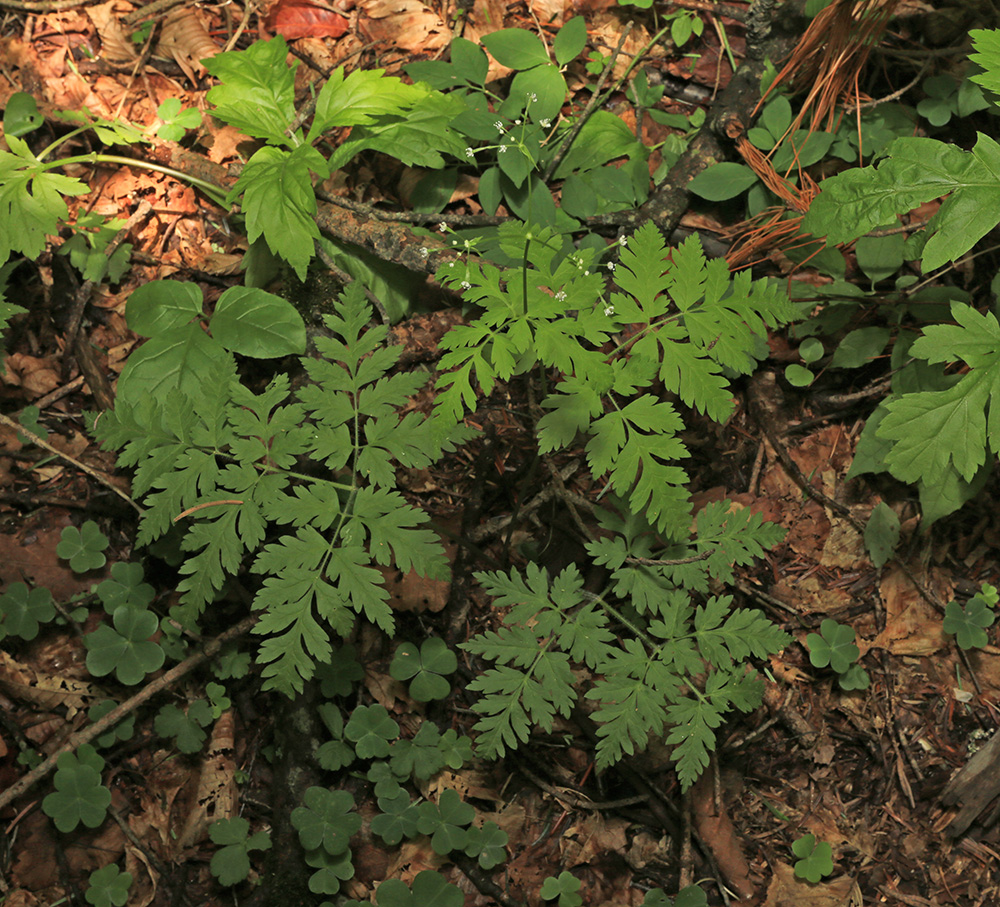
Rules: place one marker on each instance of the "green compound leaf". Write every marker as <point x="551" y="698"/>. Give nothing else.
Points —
<point x="326" y="820"/>
<point x="917" y="170"/>
<point x="186" y="728"/>
<point x="79" y="796"/>
<point x="83" y="547"/>
<point x="565" y="887"/>
<point x="175" y="120"/>
<point x="987" y="45"/>
<point x="331" y="870"/>
<point x="257" y="94"/>
<point x="429" y="890"/>
<point x="968" y="624"/>
<point x="25" y="610"/>
<point x="127" y="648"/>
<point x="427" y="668"/>
<point x="109" y="887"/>
<point x="833" y="646"/>
<point x="280" y="203"/>
<point x="487" y="844"/>
<point x="125" y="588"/>
<point x="936" y="431"/>
<point x="446" y="821"/>
<point x="338" y="676"/>
<point x="371" y="729"/>
<point x="397" y="820"/>
<point x="231" y="863"/>
<point x="815" y="858"/>
<point x="121" y="731"/>
<point x="854" y="678"/>
<point x="31" y="201"/>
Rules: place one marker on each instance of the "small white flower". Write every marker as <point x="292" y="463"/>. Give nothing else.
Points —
<point x="466" y="285"/>
<point x="443" y="227"/>
<point x="561" y="295"/>
<point x="611" y="265"/>
<point x="498" y="126"/>
<point x="517" y="122"/>
<point x="424" y="252"/>
<point x="586" y="273"/>
<point x="469" y="152"/>
<point x="531" y="96"/>
<point x="623" y="241"/>
<point x="501" y="149"/>
<point x="609" y="311"/>
<point x="545" y="123"/>
<point x="451" y="264"/>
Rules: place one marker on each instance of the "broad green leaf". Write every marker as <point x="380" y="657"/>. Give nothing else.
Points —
<point x="543" y="89"/>
<point x="726" y="180"/>
<point x="881" y="534"/>
<point x="570" y="40"/>
<point x="359" y="99"/>
<point x="469" y="61"/>
<point x="280" y="203"/>
<point x="162" y="305"/>
<point x="917" y="170"/>
<point x="179" y="359"/>
<point x="516" y="48"/>
<point x="252" y="322"/>
<point x="257" y="94"/>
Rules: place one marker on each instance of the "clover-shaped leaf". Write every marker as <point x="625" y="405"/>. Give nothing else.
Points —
<point x="335" y="754"/>
<point x="427" y="668"/>
<point x="231" y="863"/>
<point x="456" y="750"/>
<point x="326" y="820"/>
<point x="83" y="547"/>
<point x="186" y="729"/>
<point x="968" y="625"/>
<point x="445" y="822"/>
<point x="398" y="819"/>
<point x="833" y="646"/>
<point x="121" y="731"/>
<point x="815" y="858"/>
<point x="338" y="676"/>
<point x="175" y="120"/>
<point x="854" y="678"/>
<point x="691" y="896"/>
<point x="488" y="844"/>
<point x="429" y="890"/>
<point x="109" y="887"/>
<point x="371" y="729"/>
<point x="125" y="588"/>
<point x="566" y="887"/>
<point x="331" y="870"/>
<point x="79" y="795"/>
<point x="420" y="756"/>
<point x="127" y="649"/>
<point x="24" y="610"/>
<point x="383" y="775"/>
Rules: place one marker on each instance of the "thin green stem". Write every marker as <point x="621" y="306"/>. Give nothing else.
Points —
<point x="214" y="192"/>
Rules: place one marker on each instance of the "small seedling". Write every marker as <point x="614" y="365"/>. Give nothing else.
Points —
<point x="231" y="863"/>
<point x="968" y="624"/>
<point x="834" y="646"/>
<point x="427" y="668"/>
<point x="565" y="887"/>
<point x="109" y="887"/>
<point x="815" y="858"/>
